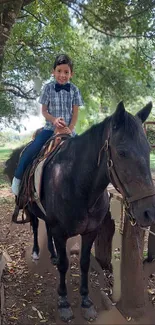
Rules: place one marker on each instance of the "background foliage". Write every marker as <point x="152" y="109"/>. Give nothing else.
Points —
<point x="111" y="43"/>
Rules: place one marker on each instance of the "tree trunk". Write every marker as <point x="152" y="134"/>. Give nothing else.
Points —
<point x="132" y="302"/>
<point x="103" y="242"/>
<point x="9" y="10"/>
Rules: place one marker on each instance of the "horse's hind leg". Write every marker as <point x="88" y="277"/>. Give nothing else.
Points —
<point x="51" y="245"/>
<point x="35" y="224"/>
<point x="64" y="308"/>
<point x="88" y="309"/>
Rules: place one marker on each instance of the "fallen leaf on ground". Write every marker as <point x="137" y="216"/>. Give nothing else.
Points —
<point x="38" y="312"/>
<point x="151" y="291"/>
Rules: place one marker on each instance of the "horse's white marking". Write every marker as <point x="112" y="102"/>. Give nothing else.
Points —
<point x="35" y="256"/>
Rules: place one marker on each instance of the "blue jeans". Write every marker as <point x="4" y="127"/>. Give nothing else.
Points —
<point x="32" y="151"/>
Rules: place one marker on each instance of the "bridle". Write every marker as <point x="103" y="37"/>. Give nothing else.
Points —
<point x="116" y="182"/>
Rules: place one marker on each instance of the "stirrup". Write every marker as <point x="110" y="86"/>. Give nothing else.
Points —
<point x="25" y="217"/>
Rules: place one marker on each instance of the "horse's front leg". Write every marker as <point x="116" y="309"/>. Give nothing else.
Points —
<point x="35" y="250"/>
<point x="88" y="309"/>
<point x="64" y="308"/>
<point x="51" y="245"/>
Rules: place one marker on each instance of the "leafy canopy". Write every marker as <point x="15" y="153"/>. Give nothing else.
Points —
<point x="111" y="43"/>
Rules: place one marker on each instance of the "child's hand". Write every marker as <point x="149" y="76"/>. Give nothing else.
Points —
<point x="61" y="130"/>
<point x="66" y="130"/>
<point x="59" y="122"/>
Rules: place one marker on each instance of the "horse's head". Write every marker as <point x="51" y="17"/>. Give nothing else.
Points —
<point x="128" y="154"/>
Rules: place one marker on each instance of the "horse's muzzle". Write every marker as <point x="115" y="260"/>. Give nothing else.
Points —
<point x="149" y="215"/>
<point x="144" y="211"/>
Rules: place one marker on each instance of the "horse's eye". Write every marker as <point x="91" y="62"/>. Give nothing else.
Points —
<point x="122" y="153"/>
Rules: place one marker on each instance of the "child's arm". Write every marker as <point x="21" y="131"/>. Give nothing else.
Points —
<point x="74" y="117"/>
<point x="56" y="121"/>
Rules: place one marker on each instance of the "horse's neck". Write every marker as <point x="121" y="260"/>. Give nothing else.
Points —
<point x="95" y="177"/>
<point x="100" y="181"/>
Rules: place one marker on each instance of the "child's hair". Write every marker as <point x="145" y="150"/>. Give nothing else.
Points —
<point x="63" y="59"/>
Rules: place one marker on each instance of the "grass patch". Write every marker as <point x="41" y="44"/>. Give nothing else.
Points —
<point x="4" y="154"/>
<point x="152" y="160"/>
<point x="3" y="177"/>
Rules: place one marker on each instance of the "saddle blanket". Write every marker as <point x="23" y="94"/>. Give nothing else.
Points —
<point x="37" y="184"/>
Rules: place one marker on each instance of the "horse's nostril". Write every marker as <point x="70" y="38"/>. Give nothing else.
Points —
<point x="147" y="214"/>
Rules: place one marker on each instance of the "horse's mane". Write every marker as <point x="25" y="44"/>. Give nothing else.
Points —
<point x="96" y="132"/>
<point x="130" y="126"/>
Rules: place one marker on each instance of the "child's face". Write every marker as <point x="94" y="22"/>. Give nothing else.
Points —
<point x="62" y="73"/>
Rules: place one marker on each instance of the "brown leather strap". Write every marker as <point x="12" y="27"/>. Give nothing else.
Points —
<point x="115" y="181"/>
<point x="118" y="186"/>
<point x="144" y="194"/>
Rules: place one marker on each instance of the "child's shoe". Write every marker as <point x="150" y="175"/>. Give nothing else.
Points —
<point x="15" y="186"/>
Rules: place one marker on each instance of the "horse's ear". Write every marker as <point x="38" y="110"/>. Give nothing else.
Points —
<point x="118" y="116"/>
<point x="145" y="112"/>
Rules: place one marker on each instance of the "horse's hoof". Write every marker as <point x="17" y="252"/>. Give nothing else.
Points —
<point x="35" y="256"/>
<point x="66" y="314"/>
<point x="54" y="260"/>
<point x="88" y="309"/>
<point x="89" y="313"/>
<point x="64" y="309"/>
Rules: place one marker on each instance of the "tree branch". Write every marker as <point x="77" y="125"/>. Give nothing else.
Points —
<point x="30" y="13"/>
<point x="71" y="3"/>
<point x="102" y="31"/>
<point x="97" y="17"/>
<point x="16" y="90"/>
<point x="27" y="2"/>
<point x="152" y="58"/>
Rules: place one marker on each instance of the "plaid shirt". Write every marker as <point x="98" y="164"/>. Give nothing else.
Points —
<point x="60" y="104"/>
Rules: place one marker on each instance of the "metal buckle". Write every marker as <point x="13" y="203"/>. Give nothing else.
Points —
<point x="132" y="221"/>
<point x="110" y="164"/>
<point x="128" y="213"/>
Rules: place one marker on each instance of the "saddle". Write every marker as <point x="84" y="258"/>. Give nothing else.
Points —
<point x="30" y="187"/>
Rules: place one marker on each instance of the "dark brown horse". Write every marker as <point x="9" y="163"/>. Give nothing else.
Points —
<point x="74" y="193"/>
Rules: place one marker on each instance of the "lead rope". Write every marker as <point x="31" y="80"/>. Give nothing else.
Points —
<point x="146" y="229"/>
<point x="139" y="250"/>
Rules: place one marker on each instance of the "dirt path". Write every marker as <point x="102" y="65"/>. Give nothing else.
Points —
<point x="31" y="287"/>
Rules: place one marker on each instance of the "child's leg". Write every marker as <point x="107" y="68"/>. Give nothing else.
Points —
<point x="27" y="157"/>
<point x="31" y="152"/>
